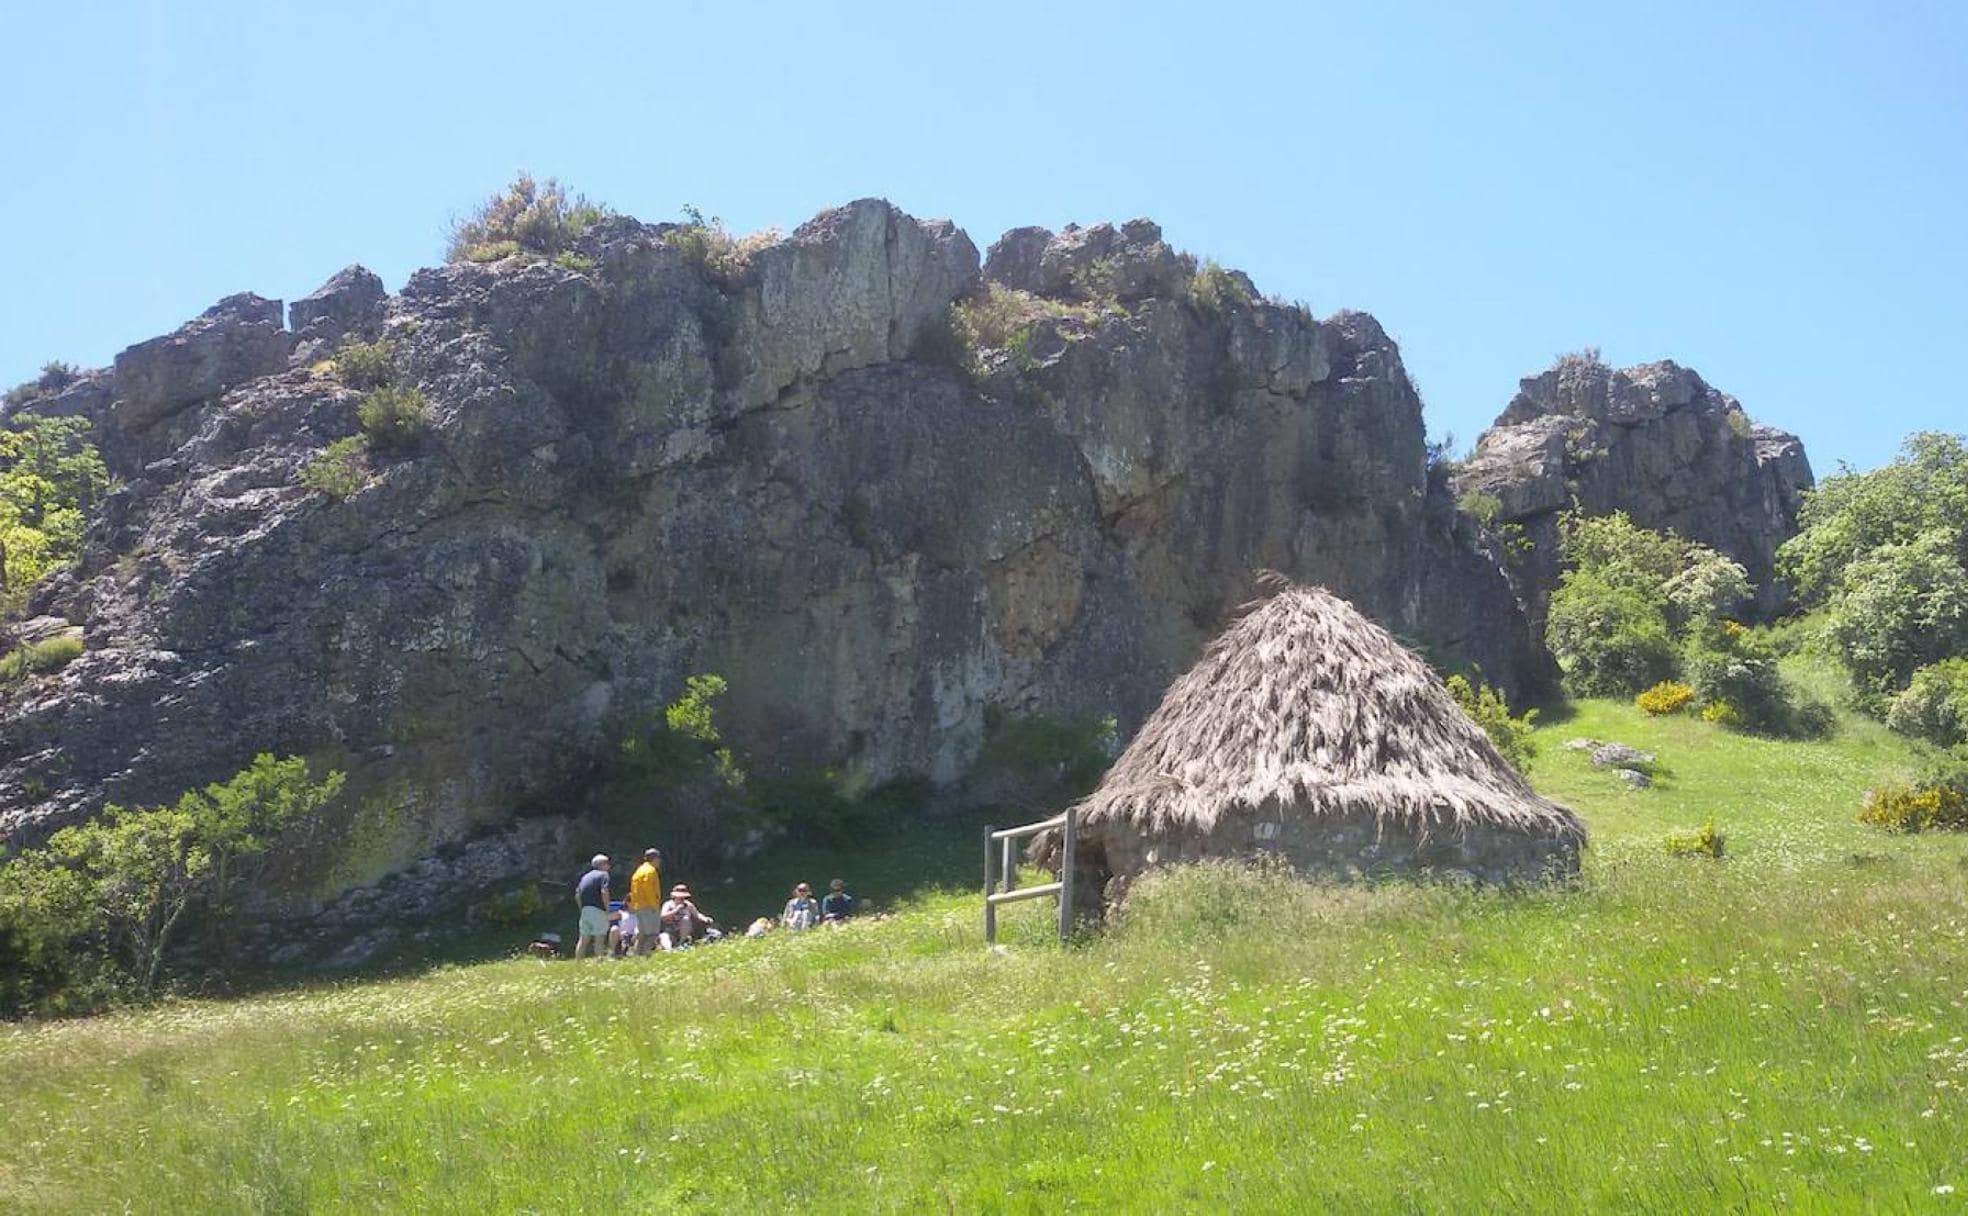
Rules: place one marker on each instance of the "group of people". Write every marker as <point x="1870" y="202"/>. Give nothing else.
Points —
<point x="647" y="921"/>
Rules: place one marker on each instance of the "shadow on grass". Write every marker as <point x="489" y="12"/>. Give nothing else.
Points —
<point x="883" y="868"/>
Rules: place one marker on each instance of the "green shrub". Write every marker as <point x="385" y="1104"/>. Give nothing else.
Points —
<point x="574" y="262"/>
<point x="1609" y="640"/>
<point x="1000" y="318"/>
<point x="1735" y="676"/>
<point x="1486" y="707"/>
<point x="339" y="470"/>
<point x="394" y="418"/>
<point x="533" y="217"/>
<point x="487" y="251"/>
<point x="1886" y="552"/>
<point x="1902" y="607"/>
<point x="1934" y="706"/>
<point x="136" y="881"/>
<point x="1055" y="756"/>
<point x="1484" y="508"/>
<point x="365" y="365"/>
<point x="1666" y="697"/>
<point x="1703" y="841"/>
<point x="40" y="658"/>
<point x="713" y="249"/>
<point x="55" y="376"/>
<point x="817" y="803"/>
<point x="1214" y="290"/>
<point x="521" y="906"/>
<point x="1852" y="514"/>
<point x="1097" y="281"/>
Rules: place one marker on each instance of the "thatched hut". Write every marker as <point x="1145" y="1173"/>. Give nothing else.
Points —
<point x="1308" y="732"/>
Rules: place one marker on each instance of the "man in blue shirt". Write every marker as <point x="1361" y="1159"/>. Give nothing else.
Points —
<point x="591" y="896"/>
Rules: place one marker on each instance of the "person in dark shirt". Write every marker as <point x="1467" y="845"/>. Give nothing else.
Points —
<point x="838" y="904"/>
<point x="591" y="896"/>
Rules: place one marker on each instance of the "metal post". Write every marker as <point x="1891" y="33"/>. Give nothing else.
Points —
<point x="1068" y="840"/>
<point x="1008" y="871"/>
<point x="990" y="909"/>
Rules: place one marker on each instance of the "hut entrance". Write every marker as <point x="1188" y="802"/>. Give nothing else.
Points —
<point x="1001" y="870"/>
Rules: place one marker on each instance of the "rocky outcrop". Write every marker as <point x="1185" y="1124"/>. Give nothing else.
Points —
<point x="1655" y="441"/>
<point x="639" y="466"/>
<point x="351" y="302"/>
<point x="238" y="339"/>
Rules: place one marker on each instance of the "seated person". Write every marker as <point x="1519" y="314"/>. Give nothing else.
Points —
<point x="620" y="926"/>
<point x="801" y="910"/>
<point x="838" y="905"/>
<point x="681" y="920"/>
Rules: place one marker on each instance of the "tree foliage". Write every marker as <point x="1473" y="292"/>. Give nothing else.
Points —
<point x="1934" y="706"/>
<point x="1923" y="491"/>
<point x="1636" y="608"/>
<point x="50" y="477"/>
<point x="1886" y="553"/>
<point x="129" y="882"/>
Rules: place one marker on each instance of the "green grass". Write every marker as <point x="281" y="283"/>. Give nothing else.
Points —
<point x="38" y="658"/>
<point x="1784" y="1028"/>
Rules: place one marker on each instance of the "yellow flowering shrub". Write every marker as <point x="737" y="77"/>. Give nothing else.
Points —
<point x="1703" y="841"/>
<point x="1666" y="697"/>
<point x="1906" y="808"/>
<point x="1723" y="713"/>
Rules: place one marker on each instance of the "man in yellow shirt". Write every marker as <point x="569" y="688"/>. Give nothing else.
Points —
<point x="646" y="899"/>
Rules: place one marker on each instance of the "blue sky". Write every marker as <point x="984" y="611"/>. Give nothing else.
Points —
<point x="1772" y="194"/>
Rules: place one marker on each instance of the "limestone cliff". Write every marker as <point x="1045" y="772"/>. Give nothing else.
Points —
<point x="641" y="466"/>
<point x="1655" y="441"/>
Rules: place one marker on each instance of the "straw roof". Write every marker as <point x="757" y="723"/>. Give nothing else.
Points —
<point x="1305" y="703"/>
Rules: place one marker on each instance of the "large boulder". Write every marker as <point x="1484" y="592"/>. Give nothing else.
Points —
<point x="1655" y="441"/>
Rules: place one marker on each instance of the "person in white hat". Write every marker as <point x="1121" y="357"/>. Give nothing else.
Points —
<point x="591" y="896"/>
<point x="682" y="920"/>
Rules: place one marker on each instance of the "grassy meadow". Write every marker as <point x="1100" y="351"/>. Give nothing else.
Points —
<point x="1786" y="1028"/>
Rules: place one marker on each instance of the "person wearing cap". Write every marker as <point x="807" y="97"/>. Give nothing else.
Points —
<point x="591" y="896"/>
<point x="681" y="919"/>
<point x="801" y="910"/>
<point x="646" y="900"/>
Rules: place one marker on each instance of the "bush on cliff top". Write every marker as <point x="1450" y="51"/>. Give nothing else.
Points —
<point x="713" y="248"/>
<point x="536" y="217"/>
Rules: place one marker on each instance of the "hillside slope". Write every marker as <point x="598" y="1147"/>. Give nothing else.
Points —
<point x="1779" y="1029"/>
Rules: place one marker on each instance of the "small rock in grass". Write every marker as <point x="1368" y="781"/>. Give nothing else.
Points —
<point x="1635" y="778"/>
<point x="1619" y="755"/>
<point x="1580" y="745"/>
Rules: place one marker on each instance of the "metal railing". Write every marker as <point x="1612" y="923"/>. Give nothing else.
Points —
<point x="1001" y="853"/>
